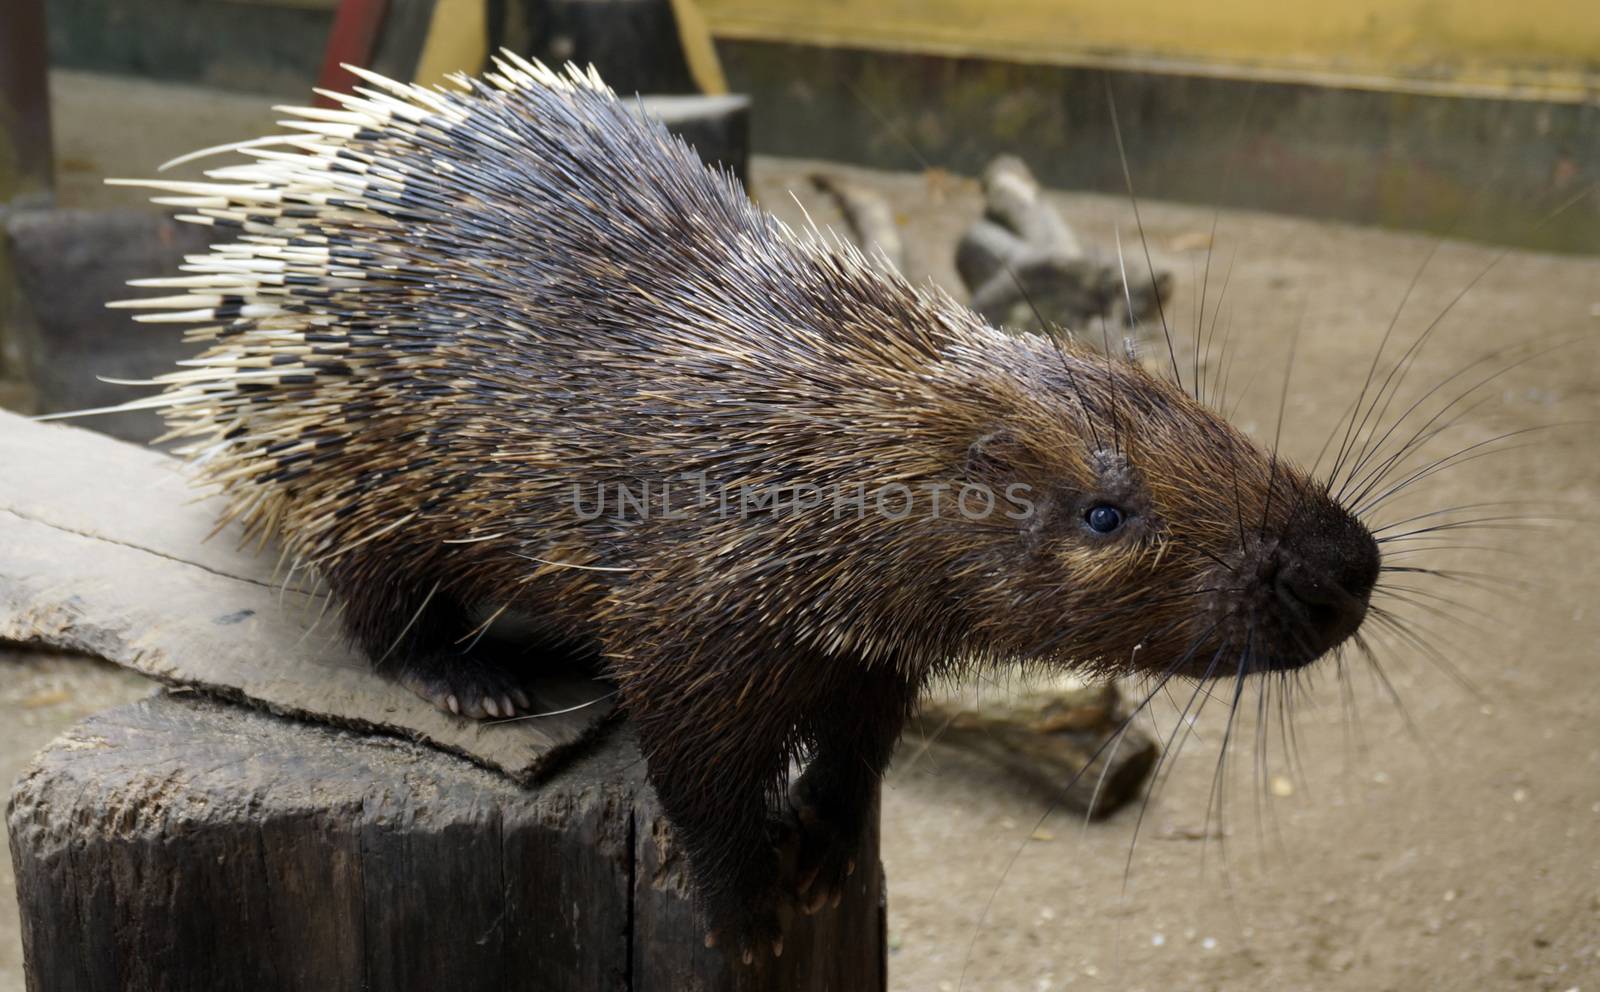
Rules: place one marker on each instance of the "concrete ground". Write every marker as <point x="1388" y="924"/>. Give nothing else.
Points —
<point x="1436" y="838"/>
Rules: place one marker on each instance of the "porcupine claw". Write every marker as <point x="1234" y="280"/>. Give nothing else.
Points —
<point x="747" y="955"/>
<point x="825" y="858"/>
<point x="466" y="687"/>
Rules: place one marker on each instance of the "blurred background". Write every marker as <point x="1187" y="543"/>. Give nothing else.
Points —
<point x="1342" y="169"/>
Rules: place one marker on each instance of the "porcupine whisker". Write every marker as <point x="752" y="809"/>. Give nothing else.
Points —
<point x="1456" y="299"/>
<point x="1462" y="456"/>
<point x="1260" y="765"/>
<point x="1412" y="729"/>
<point x="1133" y="200"/>
<point x="1401" y="368"/>
<point x="1351" y="430"/>
<point x="1443" y="607"/>
<point x="1471" y="452"/>
<point x="1050" y="331"/>
<point x="1423" y="607"/>
<point x="1167" y="759"/>
<point x="1114" y="415"/>
<point x="1418" y="438"/>
<point x="1230" y="358"/>
<point x="1391" y="622"/>
<point x="1431" y="544"/>
<point x="1515" y="525"/>
<point x="1277" y="436"/>
<point x="1281" y="679"/>
<point x="1288" y="738"/>
<point x="1260" y="761"/>
<point x="1169" y="755"/>
<point x="1227" y="182"/>
<point x="1417" y="600"/>
<point x="1100" y="780"/>
<point x="1354" y="739"/>
<point x="1127" y="289"/>
<point x="1212" y="799"/>
<point x="1171" y="744"/>
<point x="1421" y="471"/>
<point x="1216" y="313"/>
<point x="1480" y="581"/>
<point x="1428" y="549"/>
<point x="1214" y="557"/>
<point x="1378" y="529"/>
<point x="1411" y="630"/>
<point x="1244" y="391"/>
<point x="1492" y="522"/>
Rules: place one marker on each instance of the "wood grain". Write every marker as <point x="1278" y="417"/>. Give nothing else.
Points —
<point x="181" y="843"/>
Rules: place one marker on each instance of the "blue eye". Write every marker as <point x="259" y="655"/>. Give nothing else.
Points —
<point x="1103" y="518"/>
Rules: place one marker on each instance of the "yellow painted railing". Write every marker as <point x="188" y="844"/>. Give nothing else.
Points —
<point x="1537" y="49"/>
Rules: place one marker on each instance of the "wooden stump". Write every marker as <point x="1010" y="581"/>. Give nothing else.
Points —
<point x="187" y="844"/>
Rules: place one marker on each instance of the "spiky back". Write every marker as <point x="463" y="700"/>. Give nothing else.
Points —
<point x="440" y="310"/>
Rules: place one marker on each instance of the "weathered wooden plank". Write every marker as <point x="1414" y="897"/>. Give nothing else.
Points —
<point x="186" y="844"/>
<point x="104" y="550"/>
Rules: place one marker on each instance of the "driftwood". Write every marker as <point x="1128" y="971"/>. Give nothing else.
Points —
<point x="1027" y="269"/>
<point x="1057" y="743"/>
<point x="184" y="844"/>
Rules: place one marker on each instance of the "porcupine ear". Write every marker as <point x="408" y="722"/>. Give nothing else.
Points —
<point x="996" y="457"/>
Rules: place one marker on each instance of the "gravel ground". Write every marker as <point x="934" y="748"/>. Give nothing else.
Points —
<point x="1438" y="837"/>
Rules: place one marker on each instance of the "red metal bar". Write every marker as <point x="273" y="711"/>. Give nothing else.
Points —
<point x="352" y="40"/>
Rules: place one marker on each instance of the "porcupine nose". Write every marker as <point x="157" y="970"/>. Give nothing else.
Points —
<point x="1325" y="577"/>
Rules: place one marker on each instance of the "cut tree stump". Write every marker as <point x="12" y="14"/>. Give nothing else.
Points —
<point x="182" y="843"/>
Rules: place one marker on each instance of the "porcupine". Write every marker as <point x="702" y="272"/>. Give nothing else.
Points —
<point x="450" y="319"/>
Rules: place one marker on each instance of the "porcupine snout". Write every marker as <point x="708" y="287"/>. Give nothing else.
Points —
<point x="1321" y="575"/>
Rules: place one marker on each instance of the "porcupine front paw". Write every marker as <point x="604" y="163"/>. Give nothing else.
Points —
<point x="749" y="928"/>
<point x="825" y="850"/>
<point x="465" y="685"/>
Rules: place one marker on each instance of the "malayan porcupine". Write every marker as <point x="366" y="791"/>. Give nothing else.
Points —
<point x="516" y="347"/>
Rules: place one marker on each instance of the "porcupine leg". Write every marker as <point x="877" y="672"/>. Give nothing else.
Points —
<point x="716" y="776"/>
<point x="417" y="635"/>
<point x="717" y="792"/>
<point x="831" y="800"/>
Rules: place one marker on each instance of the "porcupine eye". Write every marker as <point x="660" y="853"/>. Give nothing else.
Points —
<point x="1103" y="518"/>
